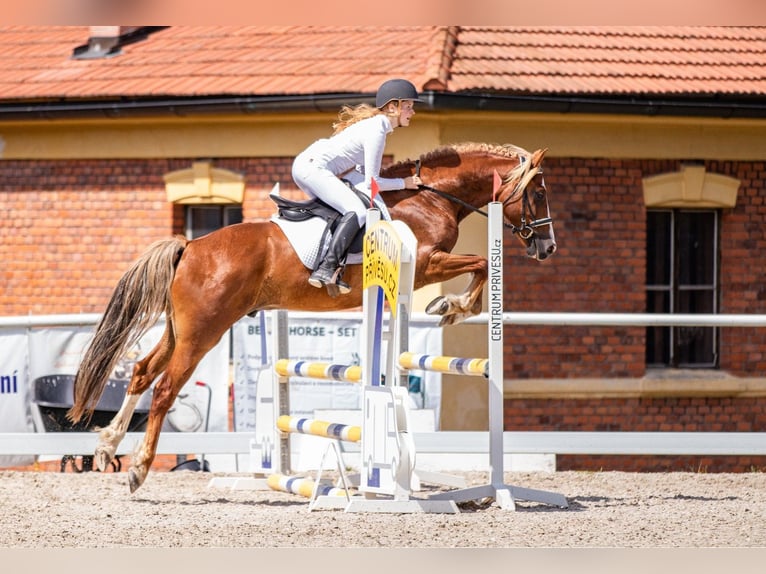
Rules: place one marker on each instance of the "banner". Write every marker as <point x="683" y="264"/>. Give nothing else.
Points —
<point x="37" y="370"/>
<point x="383" y="261"/>
<point x="15" y="415"/>
<point x="320" y="339"/>
<point x="57" y="351"/>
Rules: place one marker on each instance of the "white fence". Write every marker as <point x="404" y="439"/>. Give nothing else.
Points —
<point x="445" y="442"/>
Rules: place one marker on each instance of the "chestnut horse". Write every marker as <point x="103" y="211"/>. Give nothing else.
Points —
<point x="205" y="285"/>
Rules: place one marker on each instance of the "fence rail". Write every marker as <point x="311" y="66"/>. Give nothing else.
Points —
<point x="79" y="443"/>
<point x="509" y="318"/>
<point x="443" y="442"/>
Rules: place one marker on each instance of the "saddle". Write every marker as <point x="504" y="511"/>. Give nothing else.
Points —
<point x="303" y="210"/>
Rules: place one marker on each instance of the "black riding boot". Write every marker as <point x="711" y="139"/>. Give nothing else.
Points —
<point x="330" y="269"/>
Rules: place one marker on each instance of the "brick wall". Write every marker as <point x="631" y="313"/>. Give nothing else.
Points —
<point x="72" y="228"/>
<point x="599" y="217"/>
<point x="669" y="414"/>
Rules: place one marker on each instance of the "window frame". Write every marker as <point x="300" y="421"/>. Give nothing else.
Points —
<point x="672" y="335"/>
<point x="226" y="217"/>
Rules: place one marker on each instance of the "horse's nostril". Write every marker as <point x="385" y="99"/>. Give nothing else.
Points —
<point x="552" y="249"/>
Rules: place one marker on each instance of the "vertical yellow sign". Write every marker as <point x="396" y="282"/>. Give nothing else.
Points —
<point x="382" y="261"/>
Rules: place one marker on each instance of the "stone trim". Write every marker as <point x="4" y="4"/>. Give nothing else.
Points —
<point x="203" y="184"/>
<point x="685" y="385"/>
<point x="691" y="187"/>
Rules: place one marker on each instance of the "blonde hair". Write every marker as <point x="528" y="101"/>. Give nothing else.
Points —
<point x="350" y="115"/>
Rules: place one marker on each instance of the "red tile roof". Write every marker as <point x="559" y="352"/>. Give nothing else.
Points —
<point x="611" y="60"/>
<point x="184" y="61"/>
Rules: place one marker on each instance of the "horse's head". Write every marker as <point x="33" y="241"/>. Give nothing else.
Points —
<point x="461" y="175"/>
<point x="525" y="205"/>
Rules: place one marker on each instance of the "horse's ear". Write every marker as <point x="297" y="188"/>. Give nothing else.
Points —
<point x="538" y="155"/>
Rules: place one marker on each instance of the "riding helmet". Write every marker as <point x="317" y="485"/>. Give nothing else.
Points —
<point x="395" y="90"/>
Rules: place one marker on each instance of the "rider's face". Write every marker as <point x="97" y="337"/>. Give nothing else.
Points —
<point x="406" y="111"/>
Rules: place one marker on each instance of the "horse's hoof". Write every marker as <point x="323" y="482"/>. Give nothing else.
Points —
<point x="103" y="458"/>
<point x="438" y="306"/>
<point x="134" y="480"/>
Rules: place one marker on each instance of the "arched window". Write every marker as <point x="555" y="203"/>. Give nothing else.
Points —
<point x="682" y="246"/>
<point x="212" y="197"/>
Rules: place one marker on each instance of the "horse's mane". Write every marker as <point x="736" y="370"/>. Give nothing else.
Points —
<point x="447" y="153"/>
<point x="466" y="148"/>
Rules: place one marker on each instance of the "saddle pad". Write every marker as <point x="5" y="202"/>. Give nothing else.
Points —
<point x="305" y="236"/>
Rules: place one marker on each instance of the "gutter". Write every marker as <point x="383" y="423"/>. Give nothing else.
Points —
<point x="710" y="106"/>
<point x="180" y="107"/>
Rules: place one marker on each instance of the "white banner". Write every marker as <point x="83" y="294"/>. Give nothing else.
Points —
<point x="320" y="339"/>
<point x="15" y="415"/>
<point x="37" y="369"/>
<point x="58" y="351"/>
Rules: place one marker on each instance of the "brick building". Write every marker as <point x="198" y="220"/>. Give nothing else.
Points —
<point x="112" y="137"/>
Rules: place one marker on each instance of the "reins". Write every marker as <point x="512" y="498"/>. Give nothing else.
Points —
<point x="526" y="230"/>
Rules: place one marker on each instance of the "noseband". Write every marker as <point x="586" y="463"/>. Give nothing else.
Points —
<point x="527" y="228"/>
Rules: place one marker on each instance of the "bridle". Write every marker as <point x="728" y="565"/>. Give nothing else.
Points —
<point x="527" y="228"/>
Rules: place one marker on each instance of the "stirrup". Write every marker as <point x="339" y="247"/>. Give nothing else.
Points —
<point x="334" y="284"/>
<point x="339" y="288"/>
<point x="342" y="287"/>
<point x="337" y="279"/>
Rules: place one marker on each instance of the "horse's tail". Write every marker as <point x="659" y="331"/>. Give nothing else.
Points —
<point x="138" y="301"/>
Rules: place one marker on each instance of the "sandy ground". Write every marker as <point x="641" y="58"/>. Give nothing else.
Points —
<point x="181" y="509"/>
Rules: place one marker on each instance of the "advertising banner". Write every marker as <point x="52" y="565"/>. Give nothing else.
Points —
<point x="37" y="370"/>
<point x="320" y="339"/>
<point x="15" y="415"/>
<point x="55" y="354"/>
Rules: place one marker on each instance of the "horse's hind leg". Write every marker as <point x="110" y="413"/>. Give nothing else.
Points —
<point x="180" y="367"/>
<point x="144" y="372"/>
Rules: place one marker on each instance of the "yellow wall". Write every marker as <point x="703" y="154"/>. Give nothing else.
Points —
<point x="267" y="135"/>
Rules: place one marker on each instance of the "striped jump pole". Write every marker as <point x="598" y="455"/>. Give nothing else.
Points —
<point x="440" y="364"/>
<point x="287" y="423"/>
<point x="303" y="486"/>
<point x="315" y="370"/>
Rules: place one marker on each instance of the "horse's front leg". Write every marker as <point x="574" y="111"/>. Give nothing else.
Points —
<point x="455" y="308"/>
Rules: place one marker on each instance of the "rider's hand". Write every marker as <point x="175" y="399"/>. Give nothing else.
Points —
<point x="412" y="182"/>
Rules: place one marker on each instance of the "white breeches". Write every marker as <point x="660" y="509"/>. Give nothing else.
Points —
<point x="318" y="181"/>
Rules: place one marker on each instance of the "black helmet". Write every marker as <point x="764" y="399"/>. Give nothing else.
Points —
<point x="395" y="90"/>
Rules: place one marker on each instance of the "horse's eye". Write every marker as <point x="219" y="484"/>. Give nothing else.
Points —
<point x="539" y="194"/>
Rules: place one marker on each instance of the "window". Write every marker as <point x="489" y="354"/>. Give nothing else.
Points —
<point x="202" y="219"/>
<point x="211" y="197"/>
<point x="682" y="277"/>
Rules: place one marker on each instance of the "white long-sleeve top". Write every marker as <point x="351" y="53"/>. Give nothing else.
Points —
<point x="357" y="153"/>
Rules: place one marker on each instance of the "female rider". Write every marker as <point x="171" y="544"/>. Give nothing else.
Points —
<point x="354" y="152"/>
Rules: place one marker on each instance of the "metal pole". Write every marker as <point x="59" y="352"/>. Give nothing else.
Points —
<point x="495" y="342"/>
<point x="279" y="332"/>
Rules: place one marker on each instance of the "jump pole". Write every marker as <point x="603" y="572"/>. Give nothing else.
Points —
<point x="505" y="495"/>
